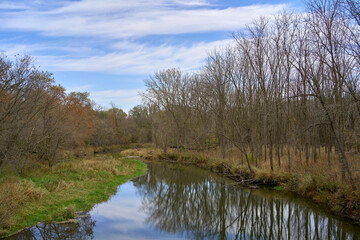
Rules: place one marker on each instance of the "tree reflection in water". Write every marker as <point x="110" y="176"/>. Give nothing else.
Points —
<point x="186" y="202"/>
<point x="198" y="205"/>
<point x="82" y="230"/>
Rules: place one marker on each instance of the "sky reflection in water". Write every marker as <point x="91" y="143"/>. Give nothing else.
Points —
<point x="172" y="202"/>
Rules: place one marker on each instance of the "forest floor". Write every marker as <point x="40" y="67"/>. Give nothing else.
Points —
<point x="317" y="182"/>
<point x="43" y="194"/>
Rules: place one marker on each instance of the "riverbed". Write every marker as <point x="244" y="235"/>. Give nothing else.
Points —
<point x="176" y="202"/>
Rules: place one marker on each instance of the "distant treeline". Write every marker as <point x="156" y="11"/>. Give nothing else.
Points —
<point x="38" y="120"/>
<point x="287" y="83"/>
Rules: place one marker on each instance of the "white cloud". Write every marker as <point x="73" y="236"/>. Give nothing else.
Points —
<point x="12" y="6"/>
<point x="125" y="99"/>
<point x="99" y="6"/>
<point x="79" y="88"/>
<point x="109" y="36"/>
<point x="141" y="60"/>
<point x="121" y="19"/>
<point x="122" y="22"/>
<point x="75" y="49"/>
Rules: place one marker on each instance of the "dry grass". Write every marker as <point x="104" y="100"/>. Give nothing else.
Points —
<point x="298" y="164"/>
<point x="44" y="194"/>
<point x="14" y="193"/>
<point x="316" y="180"/>
<point x="146" y="153"/>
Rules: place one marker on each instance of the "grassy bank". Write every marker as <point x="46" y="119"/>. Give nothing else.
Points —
<point x="316" y="182"/>
<point x="43" y="194"/>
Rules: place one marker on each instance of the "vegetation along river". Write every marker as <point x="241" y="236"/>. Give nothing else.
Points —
<point x="177" y="202"/>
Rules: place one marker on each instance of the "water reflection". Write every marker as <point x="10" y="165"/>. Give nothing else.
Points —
<point x="198" y="205"/>
<point x="82" y="230"/>
<point x="172" y="202"/>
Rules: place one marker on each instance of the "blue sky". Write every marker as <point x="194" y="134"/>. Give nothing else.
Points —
<point x="109" y="47"/>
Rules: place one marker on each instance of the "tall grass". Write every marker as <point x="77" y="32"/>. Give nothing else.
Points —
<point x="45" y="194"/>
<point x="315" y="180"/>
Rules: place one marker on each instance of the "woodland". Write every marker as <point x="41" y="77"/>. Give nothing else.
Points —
<point x="284" y="96"/>
<point x="286" y="91"/>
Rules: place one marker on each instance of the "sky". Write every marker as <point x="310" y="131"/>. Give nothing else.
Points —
<point x="109" y="47"/>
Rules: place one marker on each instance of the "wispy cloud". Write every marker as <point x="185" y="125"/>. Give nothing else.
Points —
<point x="121" y="19"/>
<point x="120" y="25"/>
<point x="142" y="60"/>
<point x="112" y="36"/>
<point x="125" y="99"/>
<point x="80" y="88"/>
<point x="73" y="49"/>
<point x="12" y="6"/>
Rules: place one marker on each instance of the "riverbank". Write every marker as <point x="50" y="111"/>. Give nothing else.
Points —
<point x="310" y="182"/>
<point x="55" y="194"/>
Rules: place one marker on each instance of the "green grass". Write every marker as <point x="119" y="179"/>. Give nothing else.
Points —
<point x="278" y="188"/>
<point x="55" y="194"/>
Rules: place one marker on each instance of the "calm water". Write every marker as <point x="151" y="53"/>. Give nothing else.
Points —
<point x="172" y="202"/>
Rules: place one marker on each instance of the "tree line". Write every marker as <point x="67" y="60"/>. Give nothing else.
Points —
<point x="39" y="120"/>
<point x="287" y="84"/>
<point x="287" y="87"/>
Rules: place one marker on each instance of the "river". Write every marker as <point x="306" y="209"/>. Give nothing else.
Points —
<point x="178" y="202"/>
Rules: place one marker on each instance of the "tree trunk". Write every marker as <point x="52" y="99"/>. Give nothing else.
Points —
<point x="278" y="155"/>
<point x="248" y="163"/>
<point x="271" y="155"/>
<point x="328" y="154"/>
<point x="314" y="154"/>
<point x="165" y="148"/>
<point x="288" y="153"/>
<point x="307" y="153"/>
